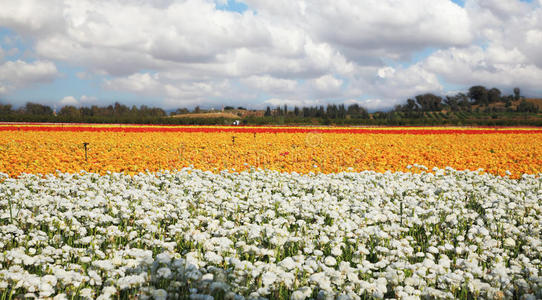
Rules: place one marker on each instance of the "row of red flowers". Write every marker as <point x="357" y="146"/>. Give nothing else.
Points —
<point x="240" y="129"/>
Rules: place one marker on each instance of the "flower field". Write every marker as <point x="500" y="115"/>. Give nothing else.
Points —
<point x="131" y="149"/>
<point x="162" y="212"/>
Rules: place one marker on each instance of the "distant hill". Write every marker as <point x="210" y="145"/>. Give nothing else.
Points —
<point x="226" y="115"/>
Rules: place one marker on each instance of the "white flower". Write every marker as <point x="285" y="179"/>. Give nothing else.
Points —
<point x="268" y="278"/>
<point x="214" y="258"/>
<point x="509" y="242"/>
<point x="159" y="294"/>
<point x="86" y="293"/>
<point x="288" y="263"/>
<point x="164" y="272"/>
<point x="46" y="289"/>
<point x="301" y="293"/>
<point x="85" y="259"/>
<point x="336" y="251"/>
<point x="109" y="290"/>
<point x="330" y="261"/>
<point x="200" y="297"/>
<point x="60" y="297"/>
<point x="163" y="258"/>
<point x="220" y="230"/>
<point x="322" y="280"/>
<point x="208" y="276"/>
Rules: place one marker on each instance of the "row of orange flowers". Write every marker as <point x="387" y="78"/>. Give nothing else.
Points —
<point x="11" y="126"/>
<point x="39" y="150"/>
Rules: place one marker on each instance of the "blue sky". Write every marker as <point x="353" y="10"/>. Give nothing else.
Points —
<point x="232" y="5"/>
<point x="173" y="54"/>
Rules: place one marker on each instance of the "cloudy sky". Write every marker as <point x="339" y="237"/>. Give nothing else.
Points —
<point x="182" y="53"/>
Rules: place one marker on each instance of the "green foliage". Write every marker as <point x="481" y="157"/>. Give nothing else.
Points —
<point x="479" y="95"/>
<point x="528" y="107"/>
<point x="426" y="109"/>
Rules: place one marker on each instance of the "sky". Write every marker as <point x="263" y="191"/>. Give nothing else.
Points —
<point x="258" y="53"/>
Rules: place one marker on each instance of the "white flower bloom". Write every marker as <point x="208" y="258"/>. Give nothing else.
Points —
<point x="424" y="235"/>
<point x="159" y="294"/>
<point x="60" y="297"/>
<point x="336" y="251"/>
<point x="287" y="263"/>
<point x="163" y="272"/>
<point x="330" y="261"/>
<point x="301" y="293"/>
<point x="163" y="258"/>
<point x="213" y="258"/>
<point x="509" y="242"/>
<point x="86" y="293"/>
<point x="268" y="278"/>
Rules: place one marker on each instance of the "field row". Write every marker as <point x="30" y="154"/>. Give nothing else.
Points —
<point x="268" y="234"/>
<point x="303" y="152"/>
<point x="54" y="127"/>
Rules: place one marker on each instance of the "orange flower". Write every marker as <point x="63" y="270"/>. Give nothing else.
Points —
<point x="519" y="151"/>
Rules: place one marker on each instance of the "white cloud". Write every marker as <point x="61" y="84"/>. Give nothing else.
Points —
<point x="395" y="85"/>
<point x="512" y="39"/>
<point x="491" y="67"/>
<point x="374" y="104"/>
<point x="188" y="52"/>
<point x="32" y="17"/>
<point x="88" y="99"/>
<point x="139" y="83"/>
<point x="270" y="84"/>
<point x="69" y="100"/>
<point x="327" y="84"/>
<point x="83" y="100"/>
<point x="20" y="74"/>
<point x="389" y="28"/>
<point x="291" y="102"/>
<point x="174" y="94"/>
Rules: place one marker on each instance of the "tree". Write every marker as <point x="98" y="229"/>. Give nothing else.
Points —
<point x="321" y="112"/>
<point x="296" y="111"/>
<point x="355" y="110"/>
<point x="267" y="112"/>
<point x="331" y="111"/>
<point x="429" y="102"/>
<point x="517" y="93"/>
<point x="452" y="103"/>
<point x="197" y="109"/>
<point x="478" y="94"/>
<point x="37" y="109"/>
<point x="494" y="95"/>
<point x="463" y="102"/>
<point x="70" y="111"/>
<point x="5" y="109"/>
<point x="342" y="111"/>
<point x="279" y="111"/>
<point x="120" y="109"/>
<point x="181" y="111"/>
<point x="411" y="105"/>
<point x="525" y="106"/>
<point x="508" y="100"/>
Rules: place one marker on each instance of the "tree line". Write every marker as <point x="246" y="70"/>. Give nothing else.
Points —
<point x="331" y="111"/>
<point x="116" y="110"/>
<point x="478" y="96"/>
<point x="478" y="99"/>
